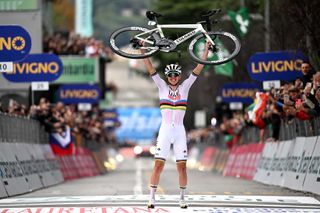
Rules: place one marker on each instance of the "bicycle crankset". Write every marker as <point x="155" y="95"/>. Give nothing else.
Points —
<point x="166" y="45"/>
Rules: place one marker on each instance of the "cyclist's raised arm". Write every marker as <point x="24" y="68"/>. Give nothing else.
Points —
<point x="151" y="70"/>
<point x="197" y="70"/>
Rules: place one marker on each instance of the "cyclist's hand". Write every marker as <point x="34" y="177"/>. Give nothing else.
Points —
<point x="141" y="44"/>
<point x="208" y="44"/>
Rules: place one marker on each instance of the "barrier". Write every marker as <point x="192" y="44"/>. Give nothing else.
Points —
<point x="31" y="164"/>
<point x="298" y="162"/>
<point x="230" y="162"/>
<point x="28" y="164"/>
<point x="206" y="162"/>
<point x="263" y="170"/>
<point x="294" y="164"/>
<point x="312" y="180"/>
<point x="3" y="192"/>
<point x="53" y="163"/>
<point x="221" y="161"/>
<point x="13" y="179"/>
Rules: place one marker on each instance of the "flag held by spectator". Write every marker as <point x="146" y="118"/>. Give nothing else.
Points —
<point x="240" y="20"/>
<point x="62" y="143"/>
<point x="255" y="110"/>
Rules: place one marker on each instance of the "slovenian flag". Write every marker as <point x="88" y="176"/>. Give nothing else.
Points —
<point x="62" y="144"/>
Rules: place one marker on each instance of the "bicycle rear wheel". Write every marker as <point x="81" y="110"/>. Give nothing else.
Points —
<point x="125" y="42"/>
<point x="227" y="47"/>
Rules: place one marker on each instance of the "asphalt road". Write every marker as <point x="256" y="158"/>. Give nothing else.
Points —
<point x="127" y="187"/>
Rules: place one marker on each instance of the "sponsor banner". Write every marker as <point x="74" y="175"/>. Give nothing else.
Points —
<point x="12" y="173"/>
<point x="263" y="170"/>
<point x="111" y="119"/>
<point x="14" y="5"/>
<point x="15" y="43"/>
<point x="83" y="20"/>
<point x="279" y="163"/>
<point x="79" y="93"/>
<point x="239" y="92"/>
<point x="312" y="181"/>
<point x="78" y="70"/>
<point x="285" y="65"/>
<point x="35" y="68"/>
<point x="138" y="124"/>
<point x="292" y="178"/>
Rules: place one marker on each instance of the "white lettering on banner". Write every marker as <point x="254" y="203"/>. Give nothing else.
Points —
<point x="292" y="164"/>
<point x="312" y="180"/>
<point x="263" y="169"/>
<point x="139" y="122"/>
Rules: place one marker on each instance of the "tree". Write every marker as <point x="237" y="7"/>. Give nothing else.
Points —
<point x="304" y="16"/>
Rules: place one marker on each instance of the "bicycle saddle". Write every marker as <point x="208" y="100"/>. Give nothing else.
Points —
<point x="210" y="12"/>
<point x="152" y="15"/>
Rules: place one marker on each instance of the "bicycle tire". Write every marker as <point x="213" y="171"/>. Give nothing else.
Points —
<point x="233" y="46"/>
<point x="118" y="45"/>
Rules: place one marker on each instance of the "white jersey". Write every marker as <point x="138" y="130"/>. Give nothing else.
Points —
<point x="173" y="105"/>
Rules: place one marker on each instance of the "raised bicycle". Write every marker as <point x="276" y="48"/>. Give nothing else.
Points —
<point x="127" y="41"/>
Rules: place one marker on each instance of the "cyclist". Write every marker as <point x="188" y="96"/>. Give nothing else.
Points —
<point x="173" y="104"/>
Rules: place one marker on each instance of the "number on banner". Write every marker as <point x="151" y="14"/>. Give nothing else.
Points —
<point x="6" y="66"/>
<point x="40" y="86"/>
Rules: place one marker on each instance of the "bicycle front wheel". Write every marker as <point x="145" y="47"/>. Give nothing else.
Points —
<point x="226" y="47"/>
<point x="126" y="42"/>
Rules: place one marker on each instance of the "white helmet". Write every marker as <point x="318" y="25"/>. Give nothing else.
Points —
<point x="172" y="69"/>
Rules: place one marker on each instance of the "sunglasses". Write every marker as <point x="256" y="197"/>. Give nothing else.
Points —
<point x="173" y="75"/>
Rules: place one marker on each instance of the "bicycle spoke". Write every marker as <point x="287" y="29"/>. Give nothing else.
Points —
<point x="224" y="49"/>
<point x="127" y="42"/>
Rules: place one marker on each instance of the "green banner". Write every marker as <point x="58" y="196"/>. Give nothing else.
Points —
<point x="222" y="69"/>
<point x="12" y="5"/>
<point x="79" y="70"/>
<point x="240" y="20"/>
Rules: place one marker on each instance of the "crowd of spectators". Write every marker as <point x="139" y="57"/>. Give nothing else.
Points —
<point x="296" y="100"/>
<point x="74" y="44"/>
<point x="89" y="125"/>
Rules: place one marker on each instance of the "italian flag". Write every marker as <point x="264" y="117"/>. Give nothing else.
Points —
<point x="256" y="109"/>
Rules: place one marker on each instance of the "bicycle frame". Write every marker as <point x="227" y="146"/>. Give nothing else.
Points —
<point x="197" y="28"/>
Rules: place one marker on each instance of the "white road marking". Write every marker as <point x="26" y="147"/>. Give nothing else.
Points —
<point x="137" y="189"/>
<point x="135" y="209"/>
<point x="240" y="200"/>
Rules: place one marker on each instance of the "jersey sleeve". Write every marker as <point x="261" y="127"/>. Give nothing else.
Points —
<point x="189" y="81"/>
<point x="158" y="80"/>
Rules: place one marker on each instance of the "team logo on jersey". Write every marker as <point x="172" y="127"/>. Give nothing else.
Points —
<point x="174" y="95"/>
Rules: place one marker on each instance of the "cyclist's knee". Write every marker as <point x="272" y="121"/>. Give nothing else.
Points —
<point x="182" y="167"/>
<point x="158" y="166"/>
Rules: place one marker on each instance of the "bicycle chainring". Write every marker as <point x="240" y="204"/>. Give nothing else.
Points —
<point x="166" y="45"/>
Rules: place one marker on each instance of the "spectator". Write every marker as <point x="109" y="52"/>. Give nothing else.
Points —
<point x="74" y="44"/>
<point x="307" y="73"/>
